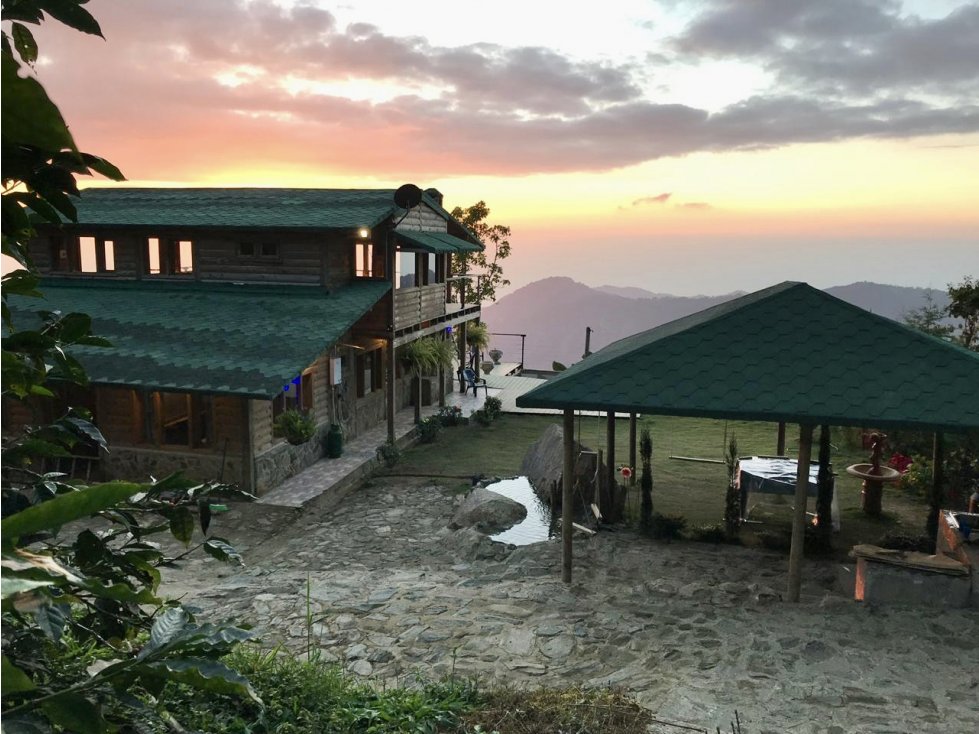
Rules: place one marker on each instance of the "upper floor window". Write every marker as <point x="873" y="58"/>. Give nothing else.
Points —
<point x="364" y="260"/>
<point x="169" y="257"/>
<point x="406" y="269"/>
<point x="82" y="255"/>
<point x="259" y="250"/>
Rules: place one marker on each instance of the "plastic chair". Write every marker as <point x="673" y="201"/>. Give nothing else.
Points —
<point x="474" y="382"/>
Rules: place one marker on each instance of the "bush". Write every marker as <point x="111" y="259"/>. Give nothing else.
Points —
<point x="711" y="534"/>
<point x="667" y="527"/>
<point x="295" y="426"/>
<point x="389" y="454"/>
<point x="450" y="415"/>
<point x="429" y="429"/>
<point x="493" y="408"/>
<point x="481" y="417"/>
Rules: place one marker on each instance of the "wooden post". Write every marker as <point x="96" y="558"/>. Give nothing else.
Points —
<point x="567" y="515"/>
<point x="610" y="450"/>
<point x="632" y="448"/>
<point x="799" y="518"/>
<point x="392" y="366"/>
<point x="937" y="486"/>
<point x="780" y="446"/>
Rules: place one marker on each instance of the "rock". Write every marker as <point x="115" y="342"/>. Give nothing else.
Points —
<point x="356" y="652"/>
<point x="488" y="512"/>
<point x="360" y="667"/>
<point x="557" y="648"/>
<point x="549" y="630"/>
<point x="380" y="656"/>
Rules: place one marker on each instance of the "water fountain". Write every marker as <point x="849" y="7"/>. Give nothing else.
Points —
<point x="874" y="477"/>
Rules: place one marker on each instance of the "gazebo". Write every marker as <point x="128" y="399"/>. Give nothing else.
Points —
<point x="786" y="354"/>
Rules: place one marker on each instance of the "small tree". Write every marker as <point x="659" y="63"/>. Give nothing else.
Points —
<point x="646" y="480"/>
<point x="494" y="236"/>
<point x="964" y="304"/>
<point x="929" y="318"/>
<point x="732" y="497"/>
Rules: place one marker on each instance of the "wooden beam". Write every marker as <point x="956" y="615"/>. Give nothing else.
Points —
<point x="937" y="497"/>
<point x="610" y="450"/>
<point x="632" y="448"/>
<point x="567" y="515"/>
<point x="799" y="518"/>
<point x="780" y="445"/>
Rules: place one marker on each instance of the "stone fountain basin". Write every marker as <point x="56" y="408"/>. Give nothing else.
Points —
<point x="866" y="471"/>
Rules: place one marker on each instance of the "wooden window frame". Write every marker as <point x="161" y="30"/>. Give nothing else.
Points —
<point x="169" y="258"/>
<point x="199" y="417"/>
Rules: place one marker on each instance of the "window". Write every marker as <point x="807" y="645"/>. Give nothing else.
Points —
<point x="433" y="269"/>
<point x="95" y="255"/>
<point x="364" y="260"/>
<point x="179" y="419"/>
<point x="370" y="372"/>
<point x="65" y="257"/>
<point x="296" y="395"/>
<point x="169" y="257"/>
<point x="259" y="250"/>
<point x="406" y="273"/>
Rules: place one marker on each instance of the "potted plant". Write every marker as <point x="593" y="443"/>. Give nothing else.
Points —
<point x="295" y="426"/>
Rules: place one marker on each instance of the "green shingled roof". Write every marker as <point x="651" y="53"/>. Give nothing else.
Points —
<point x="437" y="242"/>
<point x="240" y="207"/>
<point x="787" y="353"/>
<point x="247" y="340"/>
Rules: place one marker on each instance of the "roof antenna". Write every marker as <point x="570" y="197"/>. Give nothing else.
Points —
<point x="407" y="197"/>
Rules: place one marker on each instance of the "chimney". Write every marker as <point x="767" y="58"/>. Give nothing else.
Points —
<point x="435" y="194"/>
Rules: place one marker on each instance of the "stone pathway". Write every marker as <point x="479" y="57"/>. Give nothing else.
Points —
<point x="693" y="631"/>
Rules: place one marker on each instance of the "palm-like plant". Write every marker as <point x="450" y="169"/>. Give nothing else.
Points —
<point x="426" y="356"/>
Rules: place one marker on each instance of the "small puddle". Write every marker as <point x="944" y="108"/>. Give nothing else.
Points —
<point x="536" y="527"/>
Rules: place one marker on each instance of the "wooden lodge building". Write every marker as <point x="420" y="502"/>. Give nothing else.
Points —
<point x="226" y="307"/>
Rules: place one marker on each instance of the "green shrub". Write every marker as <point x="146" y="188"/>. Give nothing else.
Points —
<point x="451" y="415"/>
<point x="389" y="453"/>
<point x="667" y="527"/>
<point x="481" y="417"/>
<point x="295" y="426"/>
<point x="711" y="534"/>
<point x="493" y="407"/>
<point x="429" y="429"/>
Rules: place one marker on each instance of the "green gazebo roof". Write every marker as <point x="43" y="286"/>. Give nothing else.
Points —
<point x="246" y="340"/>
<point x="437" y="242"/>
<point x="787" y="353"/>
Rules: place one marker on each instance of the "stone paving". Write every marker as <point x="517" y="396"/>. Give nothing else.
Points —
<point x="693" y="631"/>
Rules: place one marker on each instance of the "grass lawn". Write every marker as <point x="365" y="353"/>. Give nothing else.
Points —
<point x="693" y="490"/>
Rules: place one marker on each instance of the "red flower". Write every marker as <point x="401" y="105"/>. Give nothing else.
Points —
<point x="626" y="472"/>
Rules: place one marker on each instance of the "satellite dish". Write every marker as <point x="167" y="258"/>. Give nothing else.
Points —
<point x="408" y="196"/>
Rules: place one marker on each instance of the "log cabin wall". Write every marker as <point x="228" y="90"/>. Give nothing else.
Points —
<point x="423" y="219"/>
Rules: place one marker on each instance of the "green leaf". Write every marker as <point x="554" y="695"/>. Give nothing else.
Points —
<point x="72" y="14"/>
<point x="24" y="43"/>
<point x="205" y="675"/>
<point x="21" y="283"/>
<point x="120" y="592"/>
<point x="223" y="551"/>
<point x="74" y="326"/>
<point x="12" y="586"/>
<point x="67" y="507"/>
<point x="87" y="429"/>
<point x="51" y="618"/>
<point x="14" y="679"/>
<point x="103" y="167"/>
<point x="167" y="626"/>
<point x="204" y="514"/>
<point x="29" y="117"/>
<point x="75" y="713"/>
<point x="181" y="524"/>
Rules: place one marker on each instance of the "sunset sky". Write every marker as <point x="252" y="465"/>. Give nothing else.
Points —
<point x="682" y="147"/>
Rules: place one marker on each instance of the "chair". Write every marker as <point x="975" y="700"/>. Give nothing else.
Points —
<point x="471" y="381"/>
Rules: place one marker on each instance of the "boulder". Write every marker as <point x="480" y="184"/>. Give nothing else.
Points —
<point x="488" y="512"/>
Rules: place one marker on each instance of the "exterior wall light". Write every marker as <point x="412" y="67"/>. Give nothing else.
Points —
<point x="363" y="233"/>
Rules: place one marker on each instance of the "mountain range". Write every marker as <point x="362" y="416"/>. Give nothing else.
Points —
<point x="554" y="313"/>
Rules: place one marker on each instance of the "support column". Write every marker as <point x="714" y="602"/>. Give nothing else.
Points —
<point x="632" y="448"/>
<point x="392" y="365"/>
<point x="780" y="446"/>
<point x="567" y="515"/>
<point x="392" y="371"/>
<point x="610" y="451"/>
<point x="937" y="497"/>
<point x="799" y="517"/>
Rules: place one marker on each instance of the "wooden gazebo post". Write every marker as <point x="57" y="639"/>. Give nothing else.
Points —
<point x="567" y="514"/>
<point x="610" y="453"/>
<point x="799" y="518"/>
<point x="632" y="448"/>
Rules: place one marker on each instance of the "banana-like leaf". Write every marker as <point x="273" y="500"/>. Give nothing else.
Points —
<point x="66" y="508"/>
<point x="205" y="675"/>
<point x="14" y="679"/>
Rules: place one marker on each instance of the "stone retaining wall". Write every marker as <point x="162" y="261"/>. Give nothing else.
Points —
<point x="138" y="464"/>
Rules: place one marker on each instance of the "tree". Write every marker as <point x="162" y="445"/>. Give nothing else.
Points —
<point x="929" y="318"/>
<point x="69" y="603"/>
<point x="964" y="304"/>
<point x="493" y="236"/>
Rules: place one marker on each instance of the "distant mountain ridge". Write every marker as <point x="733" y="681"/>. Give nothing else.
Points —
<point x="554" y="312"/>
